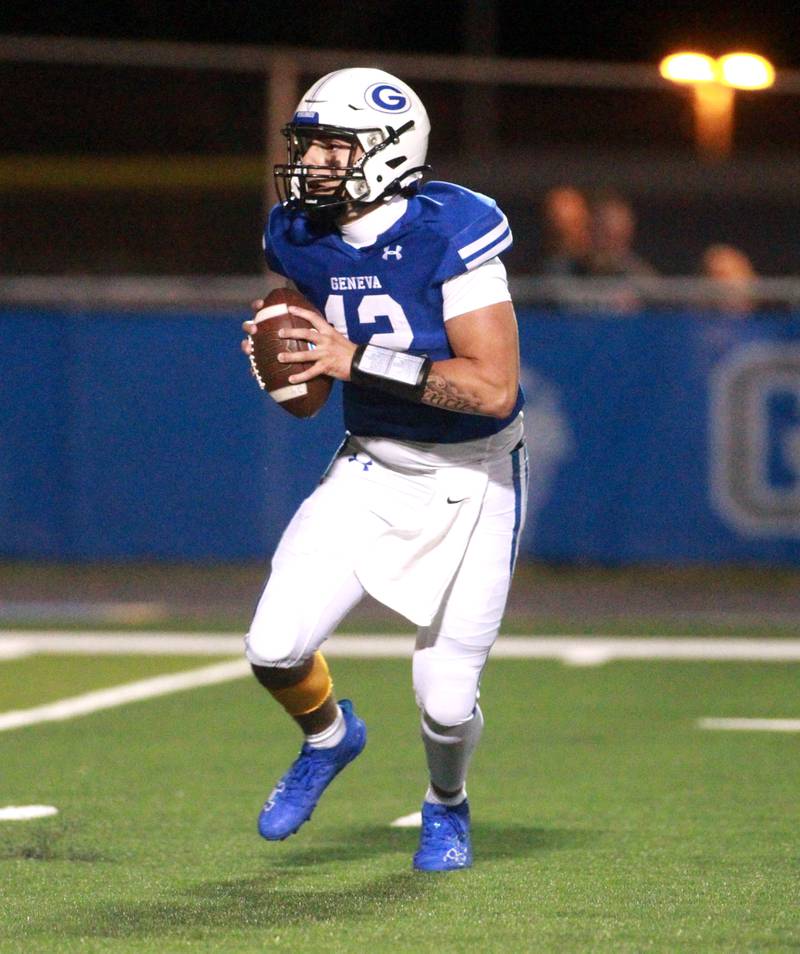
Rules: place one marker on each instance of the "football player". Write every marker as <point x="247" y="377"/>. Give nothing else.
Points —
<point x="423" y="503"/>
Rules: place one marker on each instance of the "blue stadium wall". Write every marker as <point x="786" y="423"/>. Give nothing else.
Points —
<point x="653" y="438"/>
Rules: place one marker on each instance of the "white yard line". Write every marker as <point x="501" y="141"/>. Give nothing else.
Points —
<point x="127" y="692"/>
<point x="414" y="820"/>
<point x="115" y="643"/>
<point x="26" y="812"/>
<point x="13" y="648"/>
<point x="575" y="650"/>
<point x="751" y="725"/>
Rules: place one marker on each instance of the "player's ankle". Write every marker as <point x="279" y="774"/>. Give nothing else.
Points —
<point x="331" y="735"/>
<point x="439" y="797"/>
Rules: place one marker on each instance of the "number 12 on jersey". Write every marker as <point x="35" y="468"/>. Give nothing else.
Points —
<point x="391" y="327"/>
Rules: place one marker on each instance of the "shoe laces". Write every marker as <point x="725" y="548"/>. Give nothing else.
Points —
<point x="442" y="827"/>
<point x="305" y="770"/>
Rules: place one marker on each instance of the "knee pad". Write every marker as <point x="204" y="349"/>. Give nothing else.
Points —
<point x="470" y="729"/>
<point x="446" y="711"/>
<point x="277" y="648"/>
<point x="446" y="689"/>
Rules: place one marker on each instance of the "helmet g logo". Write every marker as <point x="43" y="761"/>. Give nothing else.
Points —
<point x="387" y="98"/>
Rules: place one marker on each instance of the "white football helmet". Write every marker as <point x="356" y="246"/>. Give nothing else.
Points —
<point x="385" y="124"/>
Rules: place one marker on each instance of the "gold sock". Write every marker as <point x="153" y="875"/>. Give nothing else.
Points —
<point x="308" y="694"/>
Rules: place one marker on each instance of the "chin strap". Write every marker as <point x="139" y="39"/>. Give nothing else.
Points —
<point x="392" y="140"/>
<point x="398" y="185"/>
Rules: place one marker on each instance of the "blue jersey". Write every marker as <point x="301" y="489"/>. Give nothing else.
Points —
<point x="390" y="294"/>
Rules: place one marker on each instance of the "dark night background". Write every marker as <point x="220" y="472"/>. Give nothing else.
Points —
<point x="600" y="31"/>
<point x="639" y="142"/>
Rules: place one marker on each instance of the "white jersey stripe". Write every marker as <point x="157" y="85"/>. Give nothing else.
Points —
<point x="491" y="252"/>
<point x="484" y="240"/>
<point x="475" y="288"/>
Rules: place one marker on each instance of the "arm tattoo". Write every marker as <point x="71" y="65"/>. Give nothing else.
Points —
<point x="444" y="394"/>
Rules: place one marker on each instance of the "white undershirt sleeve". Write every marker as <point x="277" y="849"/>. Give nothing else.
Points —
<point x="482" y="286"/>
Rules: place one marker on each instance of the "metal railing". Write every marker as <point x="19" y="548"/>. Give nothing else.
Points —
<point x="436" y="67"/>
<point x="748" y="176"/>
<point x="283" y="67"/>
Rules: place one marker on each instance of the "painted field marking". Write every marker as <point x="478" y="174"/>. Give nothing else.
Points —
<point x="414" y="820"/>
<point x="114" y="643"/>
<point x="574" y="650"/>
<point x="26" y="812"/>
<point x="751" y="725"/>
<point x="581" y="651"/>
<point x="127" y="692"/>
<point x="15" y="648"/>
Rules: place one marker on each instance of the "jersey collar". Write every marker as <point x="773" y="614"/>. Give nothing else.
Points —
<point x="363" y="232"/>
<point x="389" y="229"/>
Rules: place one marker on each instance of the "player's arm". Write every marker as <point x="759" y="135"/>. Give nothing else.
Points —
<point x="483" y="377"/>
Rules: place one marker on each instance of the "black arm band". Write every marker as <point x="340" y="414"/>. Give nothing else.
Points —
<point x="396" y="372"/>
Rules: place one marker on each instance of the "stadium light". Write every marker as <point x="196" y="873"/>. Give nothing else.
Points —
<point x="746" y="71"/>
<point x="714" y="83"/>
<point x="689" y="68"/>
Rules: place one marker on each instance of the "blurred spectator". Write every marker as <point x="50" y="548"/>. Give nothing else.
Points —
<point x="613" y="229"/>
<point x="733" y="273"/>
<point x="567" y="233"/>
<point x="592" y="239"/>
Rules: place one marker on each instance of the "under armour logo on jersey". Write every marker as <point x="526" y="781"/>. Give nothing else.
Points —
<point x="366" y="462"/>
<point x="392" y="251"/>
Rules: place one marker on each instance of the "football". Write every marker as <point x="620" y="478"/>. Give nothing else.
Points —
<point x="301" y="400"/>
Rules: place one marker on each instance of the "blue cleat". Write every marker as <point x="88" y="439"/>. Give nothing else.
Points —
<point x="295" y="796"/>
<point x="444" y="842"/>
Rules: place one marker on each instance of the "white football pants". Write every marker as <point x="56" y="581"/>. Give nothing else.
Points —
<point x="314" y="583"/>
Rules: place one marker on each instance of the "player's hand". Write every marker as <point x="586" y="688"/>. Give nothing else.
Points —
<point x="331" y="354"/>
<point x="249" y="327"/>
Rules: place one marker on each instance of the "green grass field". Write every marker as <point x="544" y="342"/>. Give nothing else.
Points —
<point x="604" y="819"/>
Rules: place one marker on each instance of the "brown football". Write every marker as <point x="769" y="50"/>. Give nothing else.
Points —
<point x="302" y="400"/>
